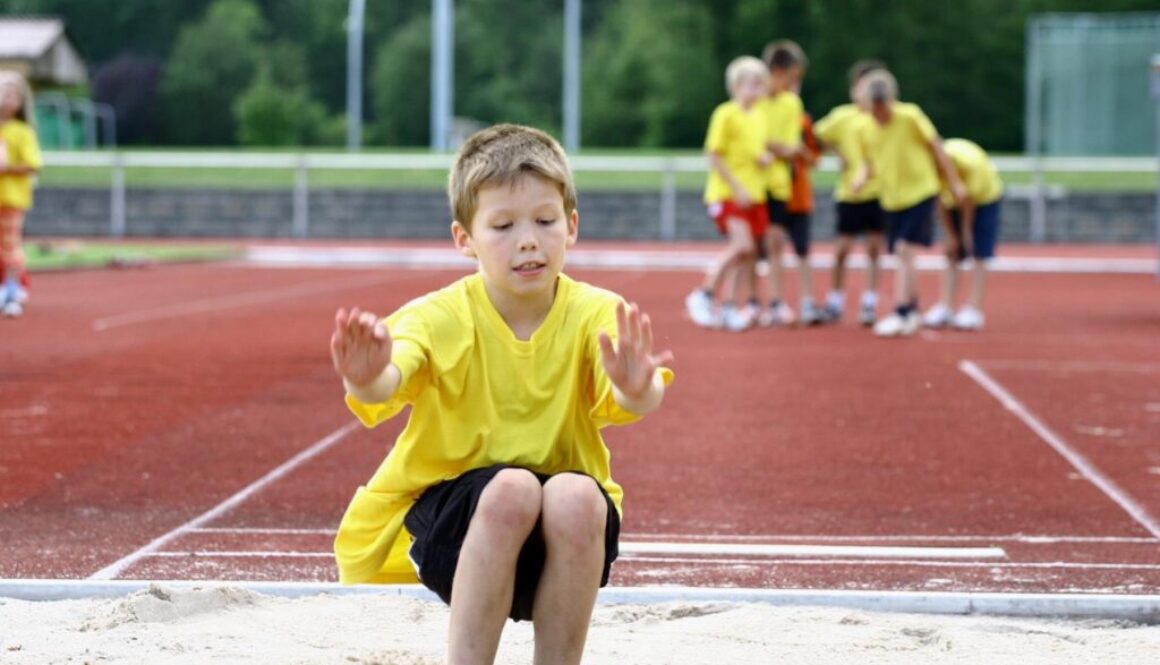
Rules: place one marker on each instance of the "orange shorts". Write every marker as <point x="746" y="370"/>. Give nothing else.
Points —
<point x="756" y="215"/>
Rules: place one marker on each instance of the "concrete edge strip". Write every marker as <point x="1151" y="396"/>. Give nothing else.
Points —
<point x="1139" y="608"/>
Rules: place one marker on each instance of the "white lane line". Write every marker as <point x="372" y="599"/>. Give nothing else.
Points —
<point x="757" y="539"/>
<point x="1081" y="464"/>
<point x="925" y="563"/>
<point x="112" y="570"/>
<point x="738" y="549"/>
<point x="426" y="258"/>
<point x="232" y="301"/>
<point x="1073" y="366"/>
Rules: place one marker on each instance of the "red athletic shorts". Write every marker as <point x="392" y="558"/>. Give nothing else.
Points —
<point x="756" y="215"/>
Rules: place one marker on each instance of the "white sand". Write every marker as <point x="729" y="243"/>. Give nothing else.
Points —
<point x="232" y="625"/>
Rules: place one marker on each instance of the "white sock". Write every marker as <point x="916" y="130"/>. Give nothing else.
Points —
<point x="869" y="299"/>
<point x="836" y="300"/>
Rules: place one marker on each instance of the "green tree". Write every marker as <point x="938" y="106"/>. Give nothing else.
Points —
<point x="273" y="114"/>
<point x="213" y="62"/>
<point x="401" y="85"/>
<point x="650" y="75"/>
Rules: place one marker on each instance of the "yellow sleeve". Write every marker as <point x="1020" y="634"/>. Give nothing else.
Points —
<point x="411" y="344"/>
<point x="826" y="129"/>
<point x="605" y="410"/>
<point x="924" y="126"/>
<point x="28" y="150"/>
<point x="796" y="114"/>
<point x="717" y="138"/>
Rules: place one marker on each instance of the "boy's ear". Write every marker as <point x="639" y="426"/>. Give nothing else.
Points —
<point x="462" y="240"/>
<point x="573" y="227"/>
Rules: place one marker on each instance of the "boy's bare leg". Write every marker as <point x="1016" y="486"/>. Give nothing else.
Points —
<point x="481" y="596"/>
<point x="950" y="282"/>
<point x="838" y="272"/>
<point x="806" y="277"/>
<point x="873" y="252"/>
<point x="775" y="244"/>
<point x="740" y="243"/>
<point x="978" y="282"/>
<point x="574" y="517"/>
<point x="906" y="282"/>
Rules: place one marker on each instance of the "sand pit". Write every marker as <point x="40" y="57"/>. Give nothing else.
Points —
<point x="235" y="625"/>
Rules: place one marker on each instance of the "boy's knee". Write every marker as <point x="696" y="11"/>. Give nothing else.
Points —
<point x="512" y="499"/>
<point x="575" y="510"/>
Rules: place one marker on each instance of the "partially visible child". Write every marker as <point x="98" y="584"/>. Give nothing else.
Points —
<point x="904" y="151"/>
<point x="784" y="110"/>
<point x="734" y="194"/>
<point x="498" y="495"/>
<point x="971" y="229"/>
<point x="799" y="210"/>
<point x="20" y="161"/>
<point x="858" y="214"/>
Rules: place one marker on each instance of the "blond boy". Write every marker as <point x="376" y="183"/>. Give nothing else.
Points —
<point x="498" y="495"/>
<point x="905" y="154"/>
<point x="734" y="194"/>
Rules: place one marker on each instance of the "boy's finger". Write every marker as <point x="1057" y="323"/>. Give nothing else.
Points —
<point x="646" y="334"/>
<point x="606" y="351"/>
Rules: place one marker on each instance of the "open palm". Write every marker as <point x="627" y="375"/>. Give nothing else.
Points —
<point x="360" y="346"/>
<point x="630" y="362"/>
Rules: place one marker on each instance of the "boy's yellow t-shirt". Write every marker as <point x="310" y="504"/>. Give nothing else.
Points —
<point x="479" y="397"/>
<point x="900" y="153"/>
<point x="19" y="141"/>
<point x="738" y="136"/>
<point x="975" y="169"/>
<point x="784" y="113"/>
<point x="842" y="129"/>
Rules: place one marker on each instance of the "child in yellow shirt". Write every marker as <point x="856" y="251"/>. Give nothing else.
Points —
<point x="971" y="230"/>
<point x="498" y="495"/>
<point x="20" y="161"/>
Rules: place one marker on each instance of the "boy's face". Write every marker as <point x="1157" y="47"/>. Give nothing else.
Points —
<point x="9" y="100"/>
<point x="781" y="80"/>
<point x="880" y="111"/>
<point x="519" y="235"/>
<point x="748" y="89"/>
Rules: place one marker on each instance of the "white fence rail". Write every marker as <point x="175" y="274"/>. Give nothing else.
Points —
<point x="668" y="168"/>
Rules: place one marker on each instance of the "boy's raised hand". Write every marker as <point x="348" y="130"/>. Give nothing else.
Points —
<point x="630" y="364"/>
<point x="360" y="346"/>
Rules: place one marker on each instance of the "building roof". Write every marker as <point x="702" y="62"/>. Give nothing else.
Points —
<point x="28" y="37"/>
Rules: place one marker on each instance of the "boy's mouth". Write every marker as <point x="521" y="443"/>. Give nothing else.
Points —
<point x="530" y="267"/>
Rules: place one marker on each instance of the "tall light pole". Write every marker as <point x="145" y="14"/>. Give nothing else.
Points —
<point x="1156" y="96"/>
<point x="442" y="72"/>
<point x="354" y="74"/>
<point x="571" y="75"/>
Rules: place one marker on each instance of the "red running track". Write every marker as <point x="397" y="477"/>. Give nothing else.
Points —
<point x="134" y="403"/>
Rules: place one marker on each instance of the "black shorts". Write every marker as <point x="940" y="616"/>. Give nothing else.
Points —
<point x="858" y="218"/>
<point x="438" y="523"/>
<point x="915" y="224"/>
<point x="797" y="226"/>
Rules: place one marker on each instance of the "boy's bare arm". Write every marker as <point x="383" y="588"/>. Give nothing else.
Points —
<point x="360" y="348"/>
<point x="739" y="195"/>
<point x="631" y="365"/>
<point x="947" y="168"/>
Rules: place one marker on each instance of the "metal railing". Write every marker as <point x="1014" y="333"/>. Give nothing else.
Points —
<point x="301" y="164"/>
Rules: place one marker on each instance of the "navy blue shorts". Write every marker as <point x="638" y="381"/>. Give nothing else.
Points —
<point x="797" y="227"/>
<point x="438" y="523"/>
<point x="914" y="225"/>
<point x="985" y="232"/>
<point x="858" y="218"/>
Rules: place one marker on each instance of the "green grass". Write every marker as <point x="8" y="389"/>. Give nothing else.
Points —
<point x="437" y="179"/>
<point x="75" y="254"/>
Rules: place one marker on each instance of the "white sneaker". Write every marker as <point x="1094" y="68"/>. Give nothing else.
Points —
<point x="736" y="319"/>
<point x="700" y="308"/>
<point x="782" y="315"/>
<point x="12" y="309"/>
<point x="867" y="314"/>
<point x="896" y="325"/>
<point x="938" y="316"/>
<point x="811" y="315"/>
<point x="968" y="318"/>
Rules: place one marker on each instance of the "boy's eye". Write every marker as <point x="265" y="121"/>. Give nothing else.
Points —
<point x="545" y="222"/>
<point x="503" y="227"/>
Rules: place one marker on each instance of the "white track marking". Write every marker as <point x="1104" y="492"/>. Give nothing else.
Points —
<point x="1073" y="366"/>
<point x="926" y="563"/>
<point x="111" y="571"/>
<point x="427" y="258"/>
<point x="687" y="537"/>
<point x="861" y="551"/>
<point x="1081" y="464"/>
<point x="232" y="301"/>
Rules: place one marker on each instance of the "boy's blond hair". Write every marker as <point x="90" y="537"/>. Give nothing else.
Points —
<point x="741" y="67"/>
<point x="26" y="112"/>
<point x="499" y="155"/>
<point x="878" y="85"/>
